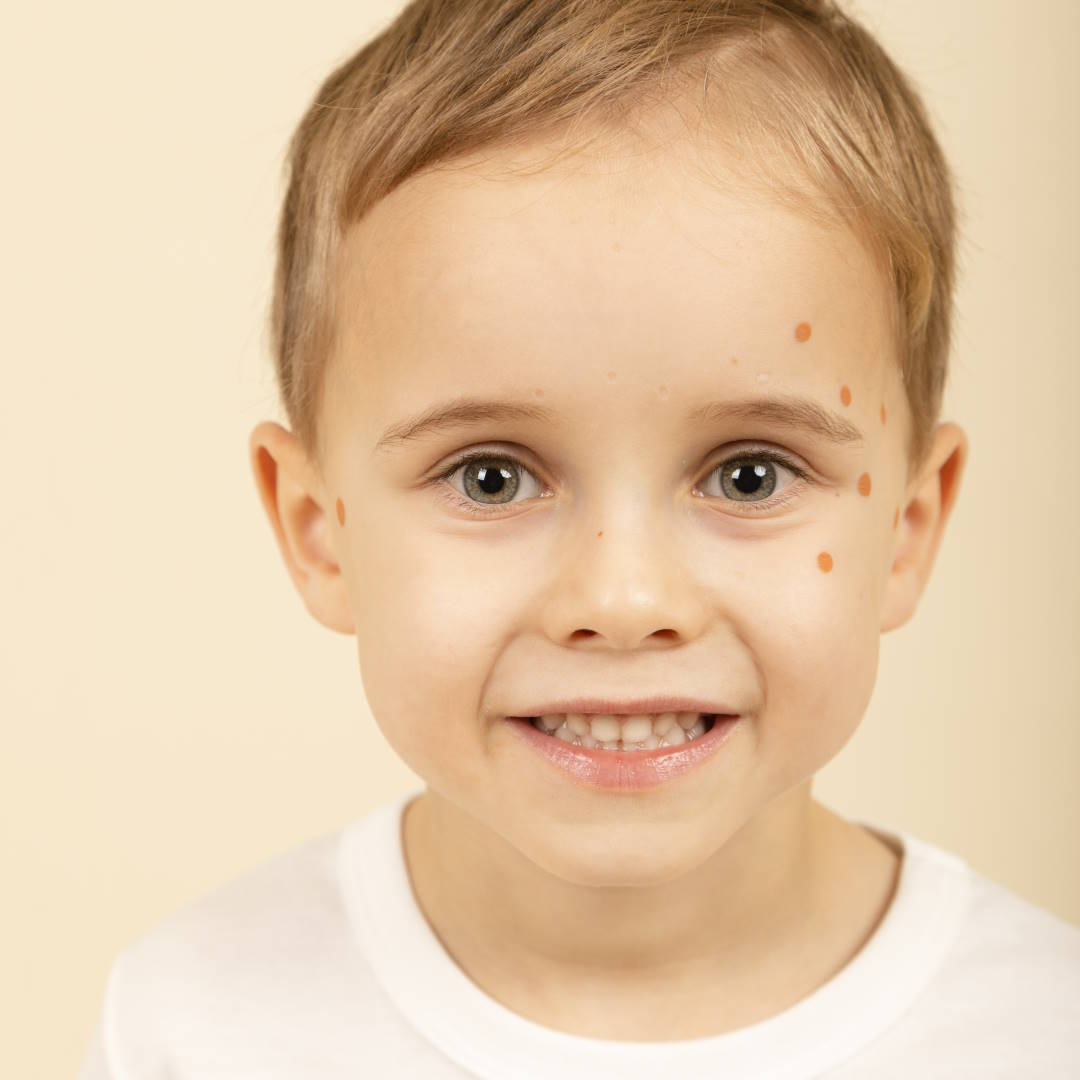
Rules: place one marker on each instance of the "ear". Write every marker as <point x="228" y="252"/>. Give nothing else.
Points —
<point x="929" y="500"/>
<point x="293" y="498"/>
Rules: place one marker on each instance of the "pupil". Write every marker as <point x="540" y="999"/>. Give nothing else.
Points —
<point x="749" y="480"/>
<point x="490" y="480"/>
<point x="483" y="480"/>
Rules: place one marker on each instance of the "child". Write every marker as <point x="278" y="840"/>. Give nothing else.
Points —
<point x="613" y="337"/>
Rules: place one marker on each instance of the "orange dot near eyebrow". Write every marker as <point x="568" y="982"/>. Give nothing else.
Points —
<point x="845" y="395"/>
<point x="883" y="414"/>
<point x="340" y="512"/>
<point x="734" y="359"/>
<point x="824" y="560"/>
<point x="864" y="484"/>
<point x="896" y="517"/>
<point x="802" y="332"/>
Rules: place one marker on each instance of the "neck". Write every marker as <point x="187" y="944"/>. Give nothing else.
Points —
<point x="769" y="899"/>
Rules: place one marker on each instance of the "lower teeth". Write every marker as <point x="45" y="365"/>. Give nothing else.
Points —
<point x="704" y="724"/>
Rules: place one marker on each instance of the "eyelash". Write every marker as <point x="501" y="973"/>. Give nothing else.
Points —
<point x="454" y="497"/>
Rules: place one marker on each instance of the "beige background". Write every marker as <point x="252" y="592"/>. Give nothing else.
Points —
<point x="171" y="713"/>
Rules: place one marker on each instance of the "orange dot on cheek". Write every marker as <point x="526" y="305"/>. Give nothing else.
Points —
<point x="896" y="517"/>
<point x="883" y="414"/>
<point x="340" y="512"/>
<point x="845" y="395"/>
<point x="864" y="484"/>
<point x="824" y="560"/>
<point x="802" y="332"/>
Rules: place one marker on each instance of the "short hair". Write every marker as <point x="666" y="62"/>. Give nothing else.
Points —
<point x="798" y="81"/>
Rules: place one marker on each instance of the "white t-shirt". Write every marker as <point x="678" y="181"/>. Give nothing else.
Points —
<point x="319" y="964"/>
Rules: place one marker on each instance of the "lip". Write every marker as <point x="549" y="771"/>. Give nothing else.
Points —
<point x="630" y="707"/>
<point x="626" y="770"/>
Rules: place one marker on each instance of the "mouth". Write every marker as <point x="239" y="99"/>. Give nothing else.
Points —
<point x="629" y="752"/>
<point x="627" y="734"/>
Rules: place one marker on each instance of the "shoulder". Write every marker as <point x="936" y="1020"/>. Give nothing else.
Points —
<point x="288" y="899"/>
<point x="256" y="963"/>
<point x="1008" y="991"/>
<point x="999" y="995"/>
<point x="1007" y="934"/>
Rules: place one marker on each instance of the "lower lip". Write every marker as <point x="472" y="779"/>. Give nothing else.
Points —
<point x="626" y="770"/>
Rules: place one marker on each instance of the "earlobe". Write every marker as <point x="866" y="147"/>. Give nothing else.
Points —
<point x="300" y="516"/>
<point x="923" y="516"/>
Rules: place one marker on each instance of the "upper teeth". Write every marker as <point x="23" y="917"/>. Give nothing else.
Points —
<point x="646" y="731"/>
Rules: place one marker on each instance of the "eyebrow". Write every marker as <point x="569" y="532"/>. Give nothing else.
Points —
<point x="789" y="411"/>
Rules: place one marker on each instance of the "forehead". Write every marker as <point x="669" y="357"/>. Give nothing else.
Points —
<point x="495" y="275"/>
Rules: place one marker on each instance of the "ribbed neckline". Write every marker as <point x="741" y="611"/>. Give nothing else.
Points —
<point x="483" y="1036"/>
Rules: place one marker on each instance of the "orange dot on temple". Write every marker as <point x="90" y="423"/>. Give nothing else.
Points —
<point x="340" y="512"/>
<point x="896" y="517"/>
<point x="802" y="332"/>
<point x="883" y="414"/>
<point x="824" y="560"/>
<point x="864" y="484"/>
<point x="845" y="395"/>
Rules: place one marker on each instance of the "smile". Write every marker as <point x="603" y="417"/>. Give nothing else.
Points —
<point x="626" y="733"/>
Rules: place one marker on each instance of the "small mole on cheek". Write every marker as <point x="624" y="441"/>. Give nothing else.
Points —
<point x="734" y="359"/>
<point x="599" y="534"/>
<point x="824" y="560"/>
<point x="896" y="517"/>
<point x="845" y="395"/>
<point x="864" y="484"/>
<point x="340" y="512"/>
<point x="883" y="414"/>
<point x="802" y="332"/>
<point x="538" y="392"/>
<point x="611" y="376"/>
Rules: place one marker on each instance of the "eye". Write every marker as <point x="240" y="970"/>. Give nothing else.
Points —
<point x="490" y="478"/>
<point x="748" y="478"/>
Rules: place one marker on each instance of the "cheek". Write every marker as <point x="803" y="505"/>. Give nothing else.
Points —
<point x="431" y="624"/>
<point x="815" y="637"/>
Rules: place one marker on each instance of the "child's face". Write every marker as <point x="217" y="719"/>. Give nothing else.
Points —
<point x="622" y="297"/>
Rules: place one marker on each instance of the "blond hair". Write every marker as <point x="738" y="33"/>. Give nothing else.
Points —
<point x="798" y="78"/>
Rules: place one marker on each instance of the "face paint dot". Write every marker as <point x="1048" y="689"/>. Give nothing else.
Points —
<point x="845" y="395"/>
<point x="340" y="512"/>
<point x="864" y="484"/>
<point x="883" y="414"/>
<point x="896" y="517"/>
<point x="802" y="332"/>
<point x="824" y="560"/>
<point x="734" y="359"/>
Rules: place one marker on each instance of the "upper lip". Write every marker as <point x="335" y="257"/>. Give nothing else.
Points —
<point x="611" y="707"/>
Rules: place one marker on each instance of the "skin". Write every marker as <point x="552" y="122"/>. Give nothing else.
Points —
<point x="619" y="287"/>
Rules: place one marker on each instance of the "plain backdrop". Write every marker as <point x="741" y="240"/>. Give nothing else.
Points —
<point x="172" y="715"/>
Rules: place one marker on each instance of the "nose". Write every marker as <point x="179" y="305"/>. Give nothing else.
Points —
<point x="624" y="584"/>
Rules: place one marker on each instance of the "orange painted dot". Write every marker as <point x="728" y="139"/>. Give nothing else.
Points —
<point x="824" y="560"/>
<point x="896" y="517"/>
<point x="883" y="414"/>
<point x="845" y="395"/>
<point x="864" y="484"/>
<point x="340" y="512"/>
<point x="802" y="332"/>
<point x="734" y="359"/>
